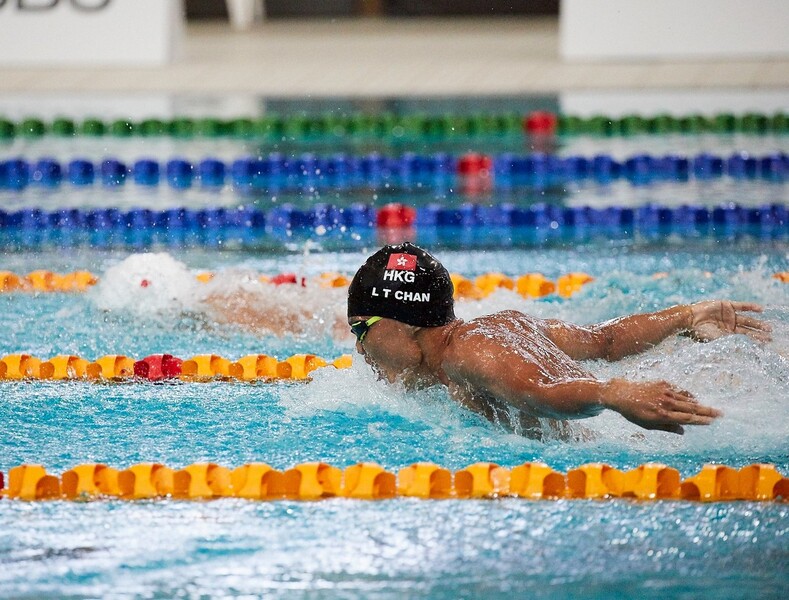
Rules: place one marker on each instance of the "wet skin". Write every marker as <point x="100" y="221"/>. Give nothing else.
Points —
<point x="510" y="360"/>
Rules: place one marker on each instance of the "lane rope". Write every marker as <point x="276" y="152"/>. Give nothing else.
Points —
<point x="159" y="367"/>
<point x="280" y="173"/>
<point x="370" y="481"/>
<point x="245" y="225"/>
<point x="528" y="285"/>
<point x="305" y="127"/>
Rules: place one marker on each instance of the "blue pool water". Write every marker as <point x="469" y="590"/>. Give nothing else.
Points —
<point x="401" y="548"/>
<point x="396" y="548"/>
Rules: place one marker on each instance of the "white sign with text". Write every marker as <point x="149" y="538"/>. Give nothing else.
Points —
<point x="89" y="32"/>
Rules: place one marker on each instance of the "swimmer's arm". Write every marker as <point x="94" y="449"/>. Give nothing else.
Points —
<point x="522" y="384"/>
<point x="491" y="370"/>
<point x="612" y="340"/>
<point x="618" y="338"/>
<point x="703" y="321"/>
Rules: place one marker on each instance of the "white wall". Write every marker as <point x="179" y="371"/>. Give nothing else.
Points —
<point x="676" y="29"/>
<point x="89" y="32"/>
<point x="618" y="103"/>
<point x="137" y="106"/>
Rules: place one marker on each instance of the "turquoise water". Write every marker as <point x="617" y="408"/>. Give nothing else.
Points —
<point x="397" y="548"/>
<point x="401" y="548"/>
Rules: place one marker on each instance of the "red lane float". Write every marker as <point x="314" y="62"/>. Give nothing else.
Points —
<point x="288" y="278"/>
<point x="540" y="122"/>
<point x="157" y="367"/>
<point x="475" y="165"/>
<point x="396" y="215"/>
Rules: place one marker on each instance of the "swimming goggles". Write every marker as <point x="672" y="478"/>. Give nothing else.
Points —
<point x="360" y="328"/>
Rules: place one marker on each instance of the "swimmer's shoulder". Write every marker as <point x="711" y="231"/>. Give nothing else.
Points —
<point x="489" y="328"/>
<point x="505" y="318"/>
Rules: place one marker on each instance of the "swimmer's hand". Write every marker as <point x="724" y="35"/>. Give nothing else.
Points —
<point x="656" y="405"/>
<point x="714" y="319"/>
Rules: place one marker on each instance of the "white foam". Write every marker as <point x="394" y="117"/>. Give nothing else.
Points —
<point x="744" y="379"/>
<point x="358" y="389"/>
<point x="150" y="284"/>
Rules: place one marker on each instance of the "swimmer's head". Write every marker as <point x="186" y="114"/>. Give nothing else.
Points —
<point x="404" y="283"/>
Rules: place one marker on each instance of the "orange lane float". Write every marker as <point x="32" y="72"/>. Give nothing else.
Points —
<point x="482" y="480"/>
<point x="595" y="480"/>
<point x="370" y="481"/>
<point x="78" y="281"/>
<point x="10" y="282"/>
<point x="110" y="367"/>
<point x="534" y="285"/>
<point x="490" y="282"/>
<point x="312" y="481"/>
<point x="202" y="481"/>
<point x="651" y="481"/>
<point x="299" y="366"/>
<point x="712" y="483"/>
<point x="465" y="288"/>
<point x="536" y="481"/>
<point x="64" y="367"/>
<point x="146" y="480"/>
<point x="572" y="283"/>
<point x="31" y="482"/>
<point x="47" y="281"/>
<point x="257" y="481"/>
<point x="89" y="480"/>
<point x="205" y="367"/>
<point x="759" y="482"/>
<point x="42" y="281"/>
<point x="424" y="480"/>
<point x="333" y="280"/>
<point x="20" y="366"/>
<point x="254" y="366"/>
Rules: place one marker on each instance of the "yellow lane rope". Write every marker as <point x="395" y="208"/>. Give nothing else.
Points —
<point x="370" y="481"/>
<point x="528" y="285"/>
<point x="203" y="367"/>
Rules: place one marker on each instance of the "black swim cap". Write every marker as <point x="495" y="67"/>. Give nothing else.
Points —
<point x="403" y="283"/>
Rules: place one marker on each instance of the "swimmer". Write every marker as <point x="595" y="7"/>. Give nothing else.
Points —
<point x="157" y="286"/>
<point x="401" y="309"/>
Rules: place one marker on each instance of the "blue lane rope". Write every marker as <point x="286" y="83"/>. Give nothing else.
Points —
<point x="246" y="226"/>
<point x="343" y="171"/>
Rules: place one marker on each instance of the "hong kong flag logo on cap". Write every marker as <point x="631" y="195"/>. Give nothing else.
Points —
<point x="402" y="262"/>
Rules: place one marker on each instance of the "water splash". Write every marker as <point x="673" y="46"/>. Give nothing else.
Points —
<point x="150" y="284"/>
<point x="746" y="380"/>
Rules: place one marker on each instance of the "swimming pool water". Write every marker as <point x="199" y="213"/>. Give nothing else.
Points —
<point x="396" y="548"/>
<point x="401" y="548"/>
